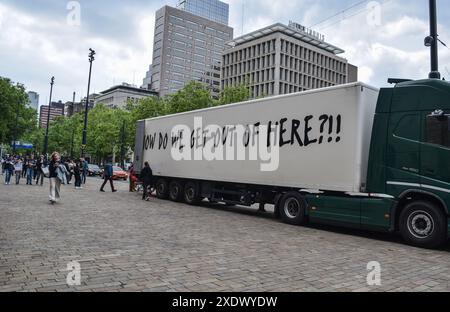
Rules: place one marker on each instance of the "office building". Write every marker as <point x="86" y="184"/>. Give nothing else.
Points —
<point x="187" y="47"/>
<point x="56" y="110"/>
<point x="213" y="10"/>
<point x="79" y="107"/>
<point x="33" y="100"/>
<point x="119" y="96"/>
<point x="281" y="59"/>
<point x="147" y="82"/>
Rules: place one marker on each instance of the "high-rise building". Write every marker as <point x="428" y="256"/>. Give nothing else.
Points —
<point x="147" y="82"/>
<point x="33" y="100"/>
<point x="281" y="59"/>
<point x="56" y="110"/>
<point x="187" y="47"/>
<point x="213" y="10"/>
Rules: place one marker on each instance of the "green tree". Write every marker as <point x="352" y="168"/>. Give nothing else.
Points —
<point x="234" y="94"/>
<point x="147" y="108"/>
<point x="194" y="95"/>
<point x="15" y="115"/>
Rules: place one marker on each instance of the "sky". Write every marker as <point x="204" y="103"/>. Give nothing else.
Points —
<point x="44" y="38"/>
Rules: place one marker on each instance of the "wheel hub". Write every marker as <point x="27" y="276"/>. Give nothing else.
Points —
<point x="420" y="224"/>
<point x="190" y="193"/>
<point x="292" y="208"/>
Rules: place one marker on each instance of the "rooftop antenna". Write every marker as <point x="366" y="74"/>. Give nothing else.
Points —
<point x="432" y="41"/>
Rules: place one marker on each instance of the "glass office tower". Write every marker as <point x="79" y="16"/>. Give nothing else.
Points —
<point x="214" y="10"/>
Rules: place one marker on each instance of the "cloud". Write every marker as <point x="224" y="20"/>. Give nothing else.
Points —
<point x="36" y="42"/>
<point x="41" y="47"/>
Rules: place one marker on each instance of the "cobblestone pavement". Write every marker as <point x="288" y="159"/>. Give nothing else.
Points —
<point x="125" y="244"/>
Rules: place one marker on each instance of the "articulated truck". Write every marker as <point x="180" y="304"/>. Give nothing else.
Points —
<point x="348" y="155"/>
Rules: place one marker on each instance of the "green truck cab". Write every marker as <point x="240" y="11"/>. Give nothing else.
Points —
<point x="410" y="158"/>
<point x="408" y="174"/>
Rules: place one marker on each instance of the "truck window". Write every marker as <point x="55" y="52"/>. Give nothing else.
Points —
<point x="438" y="130"/>
<point x="408" y="128"/>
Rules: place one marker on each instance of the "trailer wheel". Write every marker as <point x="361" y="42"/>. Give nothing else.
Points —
<point x="162" y="190"/>
<point x="292" y="208"/>
<point x="423" y="224"/>
<point x="191" y="193"/>
<point x="175" y="191"/>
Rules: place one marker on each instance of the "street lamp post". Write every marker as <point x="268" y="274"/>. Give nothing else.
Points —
<point x="84" y="142"/>
<point x="52" y="82"/>
<point x="73" y="129"/>
<point x="122" y="147"/>
<point x="16" y="126"/>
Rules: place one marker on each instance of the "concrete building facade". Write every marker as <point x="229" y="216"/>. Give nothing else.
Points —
<point x="187" y="47"/>
<point x="283" y="59"/>
<point x="119" y="96"/>
<point x="56" y="110"/>
<point x="79" y="107"/>
<point x="213" y="10"/>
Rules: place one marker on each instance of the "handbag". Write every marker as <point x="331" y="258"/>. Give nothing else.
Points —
<point x="46" y="171"/>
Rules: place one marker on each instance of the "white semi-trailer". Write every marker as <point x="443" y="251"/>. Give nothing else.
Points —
<point x="323" y="140"/>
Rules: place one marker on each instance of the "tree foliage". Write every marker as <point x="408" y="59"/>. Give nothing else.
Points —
<point x="14" y="113"/>
<point x="236" y="94"/>
<point x="105" y="125"/>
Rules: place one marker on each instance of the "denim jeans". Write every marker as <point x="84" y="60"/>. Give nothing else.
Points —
<point x="39" y="176"/>
<point x="8" y="174"/>
<point x="30" y="176"/>
<point x="18" y="176"/>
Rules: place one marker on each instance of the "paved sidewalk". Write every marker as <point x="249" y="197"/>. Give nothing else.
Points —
<point x="125" y="244"/>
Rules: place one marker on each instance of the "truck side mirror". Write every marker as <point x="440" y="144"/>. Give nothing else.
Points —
<point x="438" y="129"/>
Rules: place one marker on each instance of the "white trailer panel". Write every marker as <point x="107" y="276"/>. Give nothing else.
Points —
<point x="326" y="135"/>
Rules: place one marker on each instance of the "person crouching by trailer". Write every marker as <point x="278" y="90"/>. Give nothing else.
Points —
<point x="132" y="177"/>
<point x="147" y="179"/>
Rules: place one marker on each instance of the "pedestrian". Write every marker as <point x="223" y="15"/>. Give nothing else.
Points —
<point x="30" y="169"/>
<point x="3" y="161"/>
<point x="39" y="173"/>
<point x="24" y="167"/>
<point x="132" y="177"/>
<point x="66" y="164"/>
<point x="84" y="170"/>
<point x="35" y="169"/>
<point x="18" y="168"/>
<point x="71" y="170"/>
<point x="77" y="174"/>
<point x="147" y="179"/>
<point x="57" y="172"/>
<point x="9" y="169"/>
<point x="108" y="176"/>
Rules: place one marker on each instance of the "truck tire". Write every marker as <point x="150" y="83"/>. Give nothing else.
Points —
<point x="423" y="224"/>
<point x="292" y="208"/>
<point x="176" y="191"/>
<point x="191" y="193"/>
<point x="162" y="189"/>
